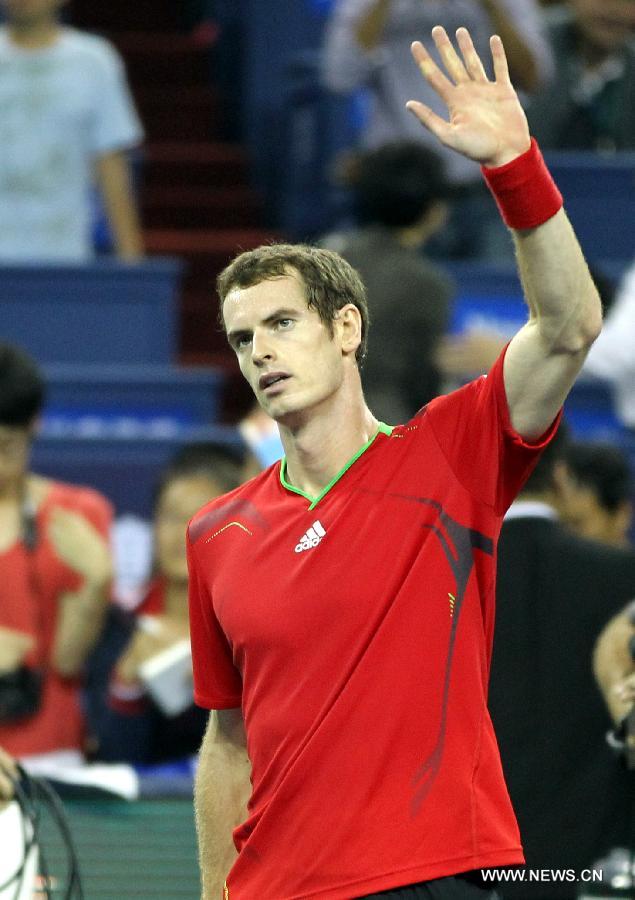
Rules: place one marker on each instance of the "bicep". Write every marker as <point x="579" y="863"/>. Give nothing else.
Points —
<point x="537" y="380"/>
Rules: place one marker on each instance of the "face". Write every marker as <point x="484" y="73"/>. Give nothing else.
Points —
<point x="585" y="515"/>
<point x="179" y="501"/>
<point x="285" y="351"/>
<point x="607" y="24"/>
<point x="31" y="12"/>
<point x="14" y="455"/>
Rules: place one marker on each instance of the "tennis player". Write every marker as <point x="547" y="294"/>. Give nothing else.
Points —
<point x="342" y="602"/>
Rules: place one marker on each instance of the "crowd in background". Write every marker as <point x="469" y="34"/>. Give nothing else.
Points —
<point x="74" y="674"/>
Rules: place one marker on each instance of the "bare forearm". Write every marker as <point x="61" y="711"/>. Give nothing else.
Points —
<point x="370" y="28"/>
<point x="558" y="287"/>
<point x="80" y="621"/>
<point x="612" y="662"/>
<point x="522" y="62"/>
<point x="115" y="183"/>
<point x="220" y="798"/>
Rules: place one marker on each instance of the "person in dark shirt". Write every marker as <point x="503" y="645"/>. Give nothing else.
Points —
<point x="590" y="104"/>
<point x="126" y="723"/>
<point x="555" y="592"/>
<point x="400" y="201"/>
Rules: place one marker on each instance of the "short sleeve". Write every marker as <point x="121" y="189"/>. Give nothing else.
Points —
<point x="474" y="431"/>
<point x="217" y="682"/>
<point x="115" y="125"/>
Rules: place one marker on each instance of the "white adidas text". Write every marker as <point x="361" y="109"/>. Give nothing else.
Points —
<point x="311" y="538"/>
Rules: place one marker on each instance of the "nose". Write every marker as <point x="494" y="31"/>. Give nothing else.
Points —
<point x="261" y="349"/>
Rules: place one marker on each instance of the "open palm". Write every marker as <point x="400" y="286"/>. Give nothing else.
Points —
<point x="486" y="121"/>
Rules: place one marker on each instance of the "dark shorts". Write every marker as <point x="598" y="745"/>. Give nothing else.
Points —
<point x="467" y="886"/>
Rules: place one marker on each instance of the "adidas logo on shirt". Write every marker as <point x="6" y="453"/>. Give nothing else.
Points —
<point x="312" y="537"/>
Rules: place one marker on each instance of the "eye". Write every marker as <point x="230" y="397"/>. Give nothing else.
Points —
<point x="242" y="341"/>
<point x="285" y="323"/>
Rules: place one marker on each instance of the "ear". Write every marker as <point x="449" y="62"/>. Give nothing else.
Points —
<point x="347" y="326"/>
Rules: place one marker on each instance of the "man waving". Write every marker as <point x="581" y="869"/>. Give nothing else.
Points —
<point x="342" y="602"/>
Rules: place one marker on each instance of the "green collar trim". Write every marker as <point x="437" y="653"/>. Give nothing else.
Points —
<point x="313" y="501"/>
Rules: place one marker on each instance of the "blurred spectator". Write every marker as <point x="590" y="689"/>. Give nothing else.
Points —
<point x="399" y="197"/>
<point x="262" y="440"/>
<point x="127" y="724"/>
<point x="598" y="500"/>
<point x="590" y="104"/>
<point x="367" y="46"/>
<point x="611" y="356"/>
<point x="66" y="118"/>
<point x="555" y="592"/>
<point x="614" y="663"/>
<point x="55" y="571"/>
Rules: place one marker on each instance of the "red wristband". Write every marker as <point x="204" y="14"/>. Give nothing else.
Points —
<point x="524" y="190"/>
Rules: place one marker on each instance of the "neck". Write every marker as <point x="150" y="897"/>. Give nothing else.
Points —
<point x="34" y="35"/>
<point x="320" y="442"/>
<point x="176" y="599"/>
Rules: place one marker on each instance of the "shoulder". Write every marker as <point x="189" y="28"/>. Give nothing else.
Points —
<point x="242" y="506"/>
<point x="587" y="554"/>
<point x="79" y="498"/>
<point x="455" y="400"/>
<point x="90" y="48"/>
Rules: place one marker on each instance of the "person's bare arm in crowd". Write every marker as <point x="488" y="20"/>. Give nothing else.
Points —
<point x="152" y="635"/>
<point x="8" y="774"/>
<point x="613" y="665"/>
<point x="81" y="613"/>
<point x="487" y="124"/>
<point x="522" y="62"/>
<point x="221" y="792"/>
<point x="369" y="29"/>
<point x="114" y="180"/>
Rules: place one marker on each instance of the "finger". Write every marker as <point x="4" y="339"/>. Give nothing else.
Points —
<point x="431" y="72"/>
<point x="471" y="58"/>
<point x="448" y="54"/>
<point x="501" y="70"/>
<point x="430" y="120"/>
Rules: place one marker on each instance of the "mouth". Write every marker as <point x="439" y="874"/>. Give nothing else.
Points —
<point x="268" y="382"/>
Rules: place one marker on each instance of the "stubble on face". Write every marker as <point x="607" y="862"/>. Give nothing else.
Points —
<point x="288" y="337"/>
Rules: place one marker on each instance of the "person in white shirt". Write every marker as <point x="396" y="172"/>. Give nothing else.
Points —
<point x="367" y="45"/>
<point x="612" y="357"/>
<point x="67" y="121"/>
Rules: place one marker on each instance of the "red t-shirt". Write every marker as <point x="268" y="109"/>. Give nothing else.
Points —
<point x="355" y="631"/>
<point x="31" y="585"/>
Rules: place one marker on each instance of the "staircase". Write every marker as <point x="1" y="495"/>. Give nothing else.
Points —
<point x="196" y="202"/>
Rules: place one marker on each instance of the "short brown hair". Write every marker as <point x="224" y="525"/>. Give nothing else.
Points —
<point x="329" y="281"/>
